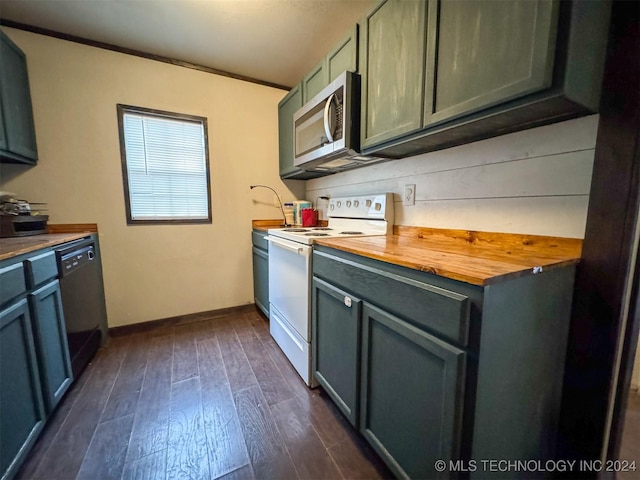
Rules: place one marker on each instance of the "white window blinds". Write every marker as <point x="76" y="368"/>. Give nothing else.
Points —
<point x="166" y="167"/>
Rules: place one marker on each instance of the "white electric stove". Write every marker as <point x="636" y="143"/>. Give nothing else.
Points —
<point x="290" y="270"/>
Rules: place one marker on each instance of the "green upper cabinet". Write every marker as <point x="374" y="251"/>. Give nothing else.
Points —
<point x="17" y="137"/>
<point x="314" y="81"/>
<point x="392" y="56"/>
<point x="344" y="56"/>
<point x="286" y="108"/>
<point x="438" y="73"/>
<point x="483" y="53"/>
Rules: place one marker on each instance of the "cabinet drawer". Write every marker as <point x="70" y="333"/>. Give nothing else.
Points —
<point x="259" y="240"/>
<point x="11" y="282"/>
<point x="427" y="306"/>
<point x="41" y="268"/>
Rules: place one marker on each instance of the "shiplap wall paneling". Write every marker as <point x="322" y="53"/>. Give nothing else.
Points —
<point x="536" y="181"/>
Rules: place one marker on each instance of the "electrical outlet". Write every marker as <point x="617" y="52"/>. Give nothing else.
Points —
<point x="409" y="197"/>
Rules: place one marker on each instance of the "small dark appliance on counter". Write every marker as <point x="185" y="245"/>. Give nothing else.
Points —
<point x="17" y="218"/>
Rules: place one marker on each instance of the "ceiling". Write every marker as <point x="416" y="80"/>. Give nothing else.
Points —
<point x="274" y="41"/>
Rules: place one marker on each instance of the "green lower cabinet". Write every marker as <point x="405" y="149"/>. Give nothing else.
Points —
<point x="51" y="340"/>
<point x="261" y="279"/>
<point x="441" y="369"/>
<point x="336" y="345"/>
<point x="21" y="407"/>
<point x="412" y="395"/>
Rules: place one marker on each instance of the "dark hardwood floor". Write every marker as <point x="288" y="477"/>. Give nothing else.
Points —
<point x="215" y="398"/>
<point x="630" y="446"/>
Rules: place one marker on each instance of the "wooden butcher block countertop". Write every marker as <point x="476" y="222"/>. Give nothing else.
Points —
<point x="59" y="234"/>
<point x="479" y="258"/>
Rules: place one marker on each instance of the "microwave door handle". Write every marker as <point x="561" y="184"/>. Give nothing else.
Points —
<point x="327" y="111"/>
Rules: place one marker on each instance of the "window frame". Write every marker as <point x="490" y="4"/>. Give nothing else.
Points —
<point x="121" y="111"/>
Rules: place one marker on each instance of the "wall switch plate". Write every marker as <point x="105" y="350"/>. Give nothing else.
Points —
<point x="409" y="197"/>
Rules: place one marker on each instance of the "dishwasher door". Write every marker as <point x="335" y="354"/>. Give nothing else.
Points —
<point x="82" y="300"/>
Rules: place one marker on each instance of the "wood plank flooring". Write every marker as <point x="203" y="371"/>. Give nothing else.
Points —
<point x="630" y="446"/>
<point x="215" y="398"/>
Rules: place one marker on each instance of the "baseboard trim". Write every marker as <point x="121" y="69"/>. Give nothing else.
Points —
<point x="180" y="320"/>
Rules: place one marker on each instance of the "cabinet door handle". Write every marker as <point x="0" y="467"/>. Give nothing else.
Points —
<point x="347" y="301"/>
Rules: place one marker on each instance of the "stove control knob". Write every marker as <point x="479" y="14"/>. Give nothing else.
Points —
<point x="348" y="203"/>
<point x="339" y="204"/>
<point x="356" y="203"/>
<point x="332" y="206"/>
<point x="368" y="203"/>
<point x="378" y="207"/>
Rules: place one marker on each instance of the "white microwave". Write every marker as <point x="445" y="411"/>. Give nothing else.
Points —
<point x="326" y="130"/>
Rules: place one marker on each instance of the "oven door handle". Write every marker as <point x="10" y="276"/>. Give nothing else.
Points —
<point x="292" y="247"/>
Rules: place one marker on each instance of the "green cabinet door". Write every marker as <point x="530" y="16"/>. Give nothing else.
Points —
<point x="3" y="134"/>
<point x="286" y="108"/>
<point x="392" y="68"/>
<point x="336" y="345"/>
<point x="314" y="81"/>
<point x="17" y="114"/>
<point x="261" y="279"/>
<point x="21" y="407"/>
<point x="51" y="341"/>
<point x="411" y="394"/>
<point x="480" y="54"/>
<point x="344" y="56"/>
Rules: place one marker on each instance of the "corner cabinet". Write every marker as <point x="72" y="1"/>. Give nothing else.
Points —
<point x="260" y="251"/>
<point x="17" y="129"/>
<point x="428" y="368"/>
<point x="463" y="70"/>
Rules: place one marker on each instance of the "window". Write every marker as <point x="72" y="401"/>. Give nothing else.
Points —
<point x="165" y="166"/>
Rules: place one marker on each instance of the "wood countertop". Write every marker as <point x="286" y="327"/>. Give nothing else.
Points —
<point x="479" y="258"/>
<point x="60" y="233"/>
<point x="265" y="225"/>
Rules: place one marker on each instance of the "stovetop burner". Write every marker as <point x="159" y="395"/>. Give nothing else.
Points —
<point x="313" y="234"/>
<point x="295" y="230"/>
<point x="321" y="228"/>
<point x="349" y="232"/>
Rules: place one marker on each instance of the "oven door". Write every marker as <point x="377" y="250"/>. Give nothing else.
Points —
<point x="290" y="283"/>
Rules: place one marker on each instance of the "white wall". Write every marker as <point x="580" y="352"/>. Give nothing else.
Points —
<point x="536" y="181"/>
<point x="150" y="272"/>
